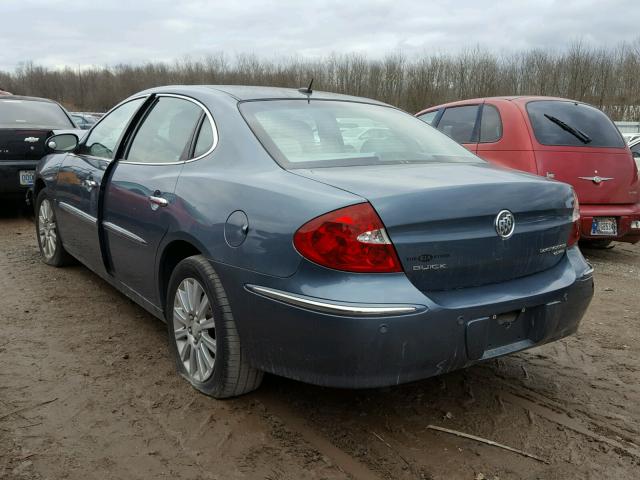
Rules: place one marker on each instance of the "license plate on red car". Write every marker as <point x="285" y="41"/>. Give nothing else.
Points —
<point x="604" y="226"/>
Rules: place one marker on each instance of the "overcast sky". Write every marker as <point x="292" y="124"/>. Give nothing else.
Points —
<point x="102" y="32"/>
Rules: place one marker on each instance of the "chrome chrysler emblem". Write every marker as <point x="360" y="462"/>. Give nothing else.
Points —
<point x="31" y="139"/>
<point x="597" y="179"/>
<point x="505" y="223"/>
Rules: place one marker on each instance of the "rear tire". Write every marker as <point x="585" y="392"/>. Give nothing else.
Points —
<point x="596" y="244"/>
<point x="203" y="335"/>
<point x="47" y="233"/>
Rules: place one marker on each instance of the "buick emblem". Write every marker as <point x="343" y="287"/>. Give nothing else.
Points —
<point x="505" y="224"/>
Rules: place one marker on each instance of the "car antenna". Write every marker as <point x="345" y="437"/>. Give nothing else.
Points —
<point x="307" y="90"/>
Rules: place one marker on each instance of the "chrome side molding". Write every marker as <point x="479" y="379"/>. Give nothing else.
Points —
<point x="77" y="212"/>
<point x="335" y="308"/>
<point x="123" y="233"/>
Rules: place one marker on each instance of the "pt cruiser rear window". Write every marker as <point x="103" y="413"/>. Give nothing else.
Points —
<point x="566" y="123"/>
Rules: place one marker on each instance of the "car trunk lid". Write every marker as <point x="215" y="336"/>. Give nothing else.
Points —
<point x="578" y="144"/>
<point x="441" y="219"/>
<point x="598" y="175"/>
<point x="23" y="144"/>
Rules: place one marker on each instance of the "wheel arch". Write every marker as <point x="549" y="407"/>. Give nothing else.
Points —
<point x="172" y="254"/>
<point x="38" y="186"/>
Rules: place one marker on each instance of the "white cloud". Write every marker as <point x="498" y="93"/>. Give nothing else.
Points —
<point x="80" y="32"/>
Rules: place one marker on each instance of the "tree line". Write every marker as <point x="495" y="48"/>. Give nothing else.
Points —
<point x="608" y="78"/>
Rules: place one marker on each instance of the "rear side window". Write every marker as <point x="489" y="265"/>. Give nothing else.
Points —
<point x="459" y="123"/>
<point x="32" y="113"/>
<point x="490" y="124"/>
<point x="165" y="133"/>
<point x="205" y="139"/>
<point x="563" y="123"/>
<point x="429" y="117"/>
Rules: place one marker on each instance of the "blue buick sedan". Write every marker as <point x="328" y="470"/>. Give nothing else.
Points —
<point x="330" y="239"/>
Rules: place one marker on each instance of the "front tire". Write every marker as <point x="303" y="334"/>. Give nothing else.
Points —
<point x="49" y="242"/>
<point x="203" y="335"/>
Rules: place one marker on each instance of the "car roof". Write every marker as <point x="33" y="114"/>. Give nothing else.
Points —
<point x="520" y="99"/>
<point x="248" y="93"/>
<point x="21" y="97"/>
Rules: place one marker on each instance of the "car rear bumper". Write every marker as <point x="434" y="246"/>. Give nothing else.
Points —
<point x="10" y="177"/>
<point x="624" y="214"/>
<point x="321" y="341"/>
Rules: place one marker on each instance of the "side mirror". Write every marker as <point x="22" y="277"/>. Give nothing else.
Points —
<point x="64" y="142"/>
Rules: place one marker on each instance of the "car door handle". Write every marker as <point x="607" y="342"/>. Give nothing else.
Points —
<point x="90" y="183"/>
<point x="159" y="201"/>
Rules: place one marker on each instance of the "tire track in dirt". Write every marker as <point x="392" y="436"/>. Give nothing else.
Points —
<point x="121" y="402"/>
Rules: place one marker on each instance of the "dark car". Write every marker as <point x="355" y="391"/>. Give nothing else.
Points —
<point x="270" y="240"/>
<point x="83" y="121"/>
<point x="25" y="124"/>
<point x="558" y="138"/>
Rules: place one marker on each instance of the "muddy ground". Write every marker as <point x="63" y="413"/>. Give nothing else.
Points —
<point x="88" y="391"/>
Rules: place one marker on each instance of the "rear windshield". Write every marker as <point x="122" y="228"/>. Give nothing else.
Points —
<point x="572" y="124"/>
<point x="322" y="133"/>
<point x="32" y="113"/>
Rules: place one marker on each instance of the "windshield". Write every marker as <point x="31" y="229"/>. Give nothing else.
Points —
<point x="566" y="123"/>
<point x="32" y="113"/>
<point x="320" y="133"/>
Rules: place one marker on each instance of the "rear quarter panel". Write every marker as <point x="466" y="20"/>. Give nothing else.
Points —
<point x="514" y="148"/>
<point x="239" y="175"/>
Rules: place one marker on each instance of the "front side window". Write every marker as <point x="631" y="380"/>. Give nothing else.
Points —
<point x="490" y="124"/>
<point x="165" y="133"/>
<point x="301" y="134"/>
<point x="566" y="123"/>
<point x="459" y="123"/>
<point x="103" y="139"/>
<point x="32" y="113"/>
<point x="429" y="117"/>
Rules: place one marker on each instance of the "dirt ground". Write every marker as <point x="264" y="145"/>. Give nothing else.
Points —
<point x="88" y="391"/>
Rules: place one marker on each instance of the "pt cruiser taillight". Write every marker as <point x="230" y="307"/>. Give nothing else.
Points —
<point x="574" y="236"/>
<point x="352" y="239"/>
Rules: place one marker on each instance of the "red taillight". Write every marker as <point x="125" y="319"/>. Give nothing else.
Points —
<point x="352" y="239"/>
<point x="574" y="235"/>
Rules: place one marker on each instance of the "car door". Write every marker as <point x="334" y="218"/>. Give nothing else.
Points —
<point x="78" y="187"/>
<point x="139" y="203"/>
<point x="461" y="124"/>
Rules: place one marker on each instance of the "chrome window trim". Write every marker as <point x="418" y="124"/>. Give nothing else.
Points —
<point x="77" y="212"/>
<point x="336" y="308"/>
<point x="88" y="132"/>
<point x="112" y="227"/>
<point x="214" y="128"/>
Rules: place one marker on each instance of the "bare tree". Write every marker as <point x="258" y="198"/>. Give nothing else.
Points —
<point x="608" y="78"/>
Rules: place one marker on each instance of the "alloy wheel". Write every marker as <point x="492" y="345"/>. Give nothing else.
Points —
<point x="194" y="330"/>
<point x="47" y="230"/>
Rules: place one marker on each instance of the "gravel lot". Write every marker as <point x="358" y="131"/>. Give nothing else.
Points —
<point x="88" y="391"/>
